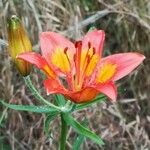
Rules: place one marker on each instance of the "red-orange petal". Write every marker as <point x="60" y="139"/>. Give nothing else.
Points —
<point x="85" y="95"/>
<point x="37" y="60"/>
<point x="53" y="86"/>
<point x="108" y="89"/>
<point x="125" y="62"/>
<point x="96" y="39"/>
<point x="50" y="41"/>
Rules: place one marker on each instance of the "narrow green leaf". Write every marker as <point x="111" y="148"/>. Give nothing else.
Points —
<point x="80" y="138"/>
<point x="30" y="108"/>
<point x="50" y="117"/>
<point x="81" y="129"/>
<point x="60" y="99"/>
<point x="78" y="142"/>
<point x="99" y="98"/>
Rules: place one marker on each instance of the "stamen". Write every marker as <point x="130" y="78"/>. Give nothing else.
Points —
<point x="65" y="52"/>
<point x="74" y="57"/>
<point x="94" y="51"/>
<point x="88" y="59"/>
<point x="89" y="45"/>
<point x="81" y="70"/>
<point x="68" y="79"/>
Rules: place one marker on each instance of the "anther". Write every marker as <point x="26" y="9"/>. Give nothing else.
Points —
<point x="65" y="50"/>
<point x="94" y="51"/>
<point x="89" y="45"/>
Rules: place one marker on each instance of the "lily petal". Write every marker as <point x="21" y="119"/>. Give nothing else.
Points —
<point x="53" y="86"/>
<point x="57" y="50"/>
<point x="109" y="90"/>
<point x="50" y="41"/>
<point x="125" y="62"/>
<point x="96" y="39"/>
<point x="37" y="60"/>
<point x="89" y="93"/>
<point x="85" y="95"/>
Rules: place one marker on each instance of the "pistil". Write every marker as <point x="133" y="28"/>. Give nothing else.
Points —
<point x="81" y="69"/>
<point x="77" y="59"/>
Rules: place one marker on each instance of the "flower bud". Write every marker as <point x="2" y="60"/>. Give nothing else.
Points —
<point x="18" y="43"/>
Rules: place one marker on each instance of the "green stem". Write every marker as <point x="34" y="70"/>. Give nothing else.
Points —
<point x="63" y="134"/>
<point x="37" y="95"/>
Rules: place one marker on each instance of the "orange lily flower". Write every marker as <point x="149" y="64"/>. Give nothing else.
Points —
<point x="77" y="70"/>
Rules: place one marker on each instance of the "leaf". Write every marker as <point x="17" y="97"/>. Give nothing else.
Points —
<point x="60" y="99"/>
<point x="81" y="129"/>
<point x="48" y="120"/>
<point x="78" y="142"/>
<point x="80" y="139"/>
<point x="30" y="108"/>
<point x="99" y="98"/>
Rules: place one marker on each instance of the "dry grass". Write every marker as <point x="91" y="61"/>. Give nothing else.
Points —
<point x="124" y="125"/>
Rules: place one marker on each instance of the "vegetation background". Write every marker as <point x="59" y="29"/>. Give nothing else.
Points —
<point x="124" y="125"/>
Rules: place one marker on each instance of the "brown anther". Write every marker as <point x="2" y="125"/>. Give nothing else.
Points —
<point x="89" y="45"/>
<point x="65" y="50"/>
<point x="94" y="50"/>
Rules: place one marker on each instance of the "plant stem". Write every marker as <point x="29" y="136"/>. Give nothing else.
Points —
<point x="37" y="94"/>
<point x="63" y="134"/>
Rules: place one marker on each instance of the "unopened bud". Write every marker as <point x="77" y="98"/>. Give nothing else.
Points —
<point x="18" y="43"/>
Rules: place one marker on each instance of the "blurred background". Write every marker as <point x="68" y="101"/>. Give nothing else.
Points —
<point x="124" y="125"/>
